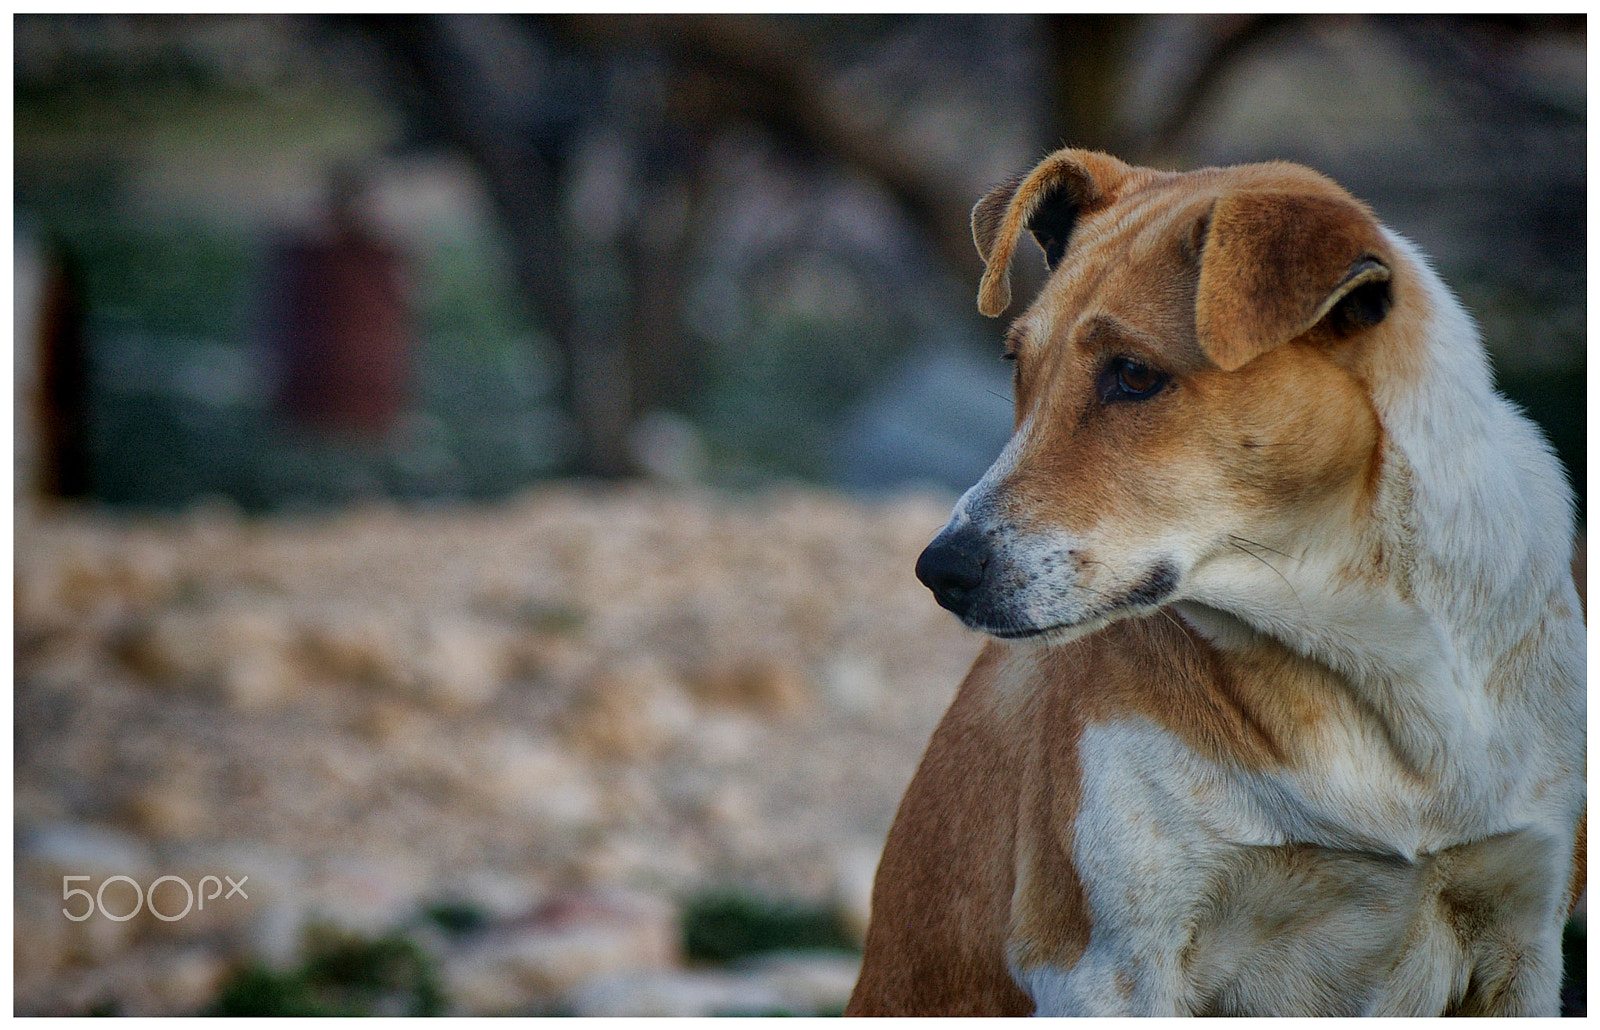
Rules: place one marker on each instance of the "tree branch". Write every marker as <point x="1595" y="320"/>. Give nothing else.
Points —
<point x="769" y="79"/>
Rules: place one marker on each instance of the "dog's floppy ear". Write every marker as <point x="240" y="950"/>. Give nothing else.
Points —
<point x="1046" y="202"/>
<point x="1273" y="265"/>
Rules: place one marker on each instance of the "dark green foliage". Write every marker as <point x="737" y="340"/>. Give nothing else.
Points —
<point x="342" y="975"/>
<point x="1557" y="400"/>
<point x="255" y="991"/>
<point x="457" y="919"/>
<point x="726" y="928"/>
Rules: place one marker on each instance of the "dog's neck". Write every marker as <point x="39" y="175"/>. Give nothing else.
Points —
<point x="1468" y="531"/>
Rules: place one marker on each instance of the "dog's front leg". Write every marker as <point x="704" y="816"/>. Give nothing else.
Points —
<point x="1506" y="903"/>
<point x="1527" y="983"/>
<point x="1099" y="985"/>
<point x="1155" y="832"/>
<point x="1497" y="978"/>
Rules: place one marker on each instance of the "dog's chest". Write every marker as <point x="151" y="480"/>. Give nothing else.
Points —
<point x="1204" y="897"/>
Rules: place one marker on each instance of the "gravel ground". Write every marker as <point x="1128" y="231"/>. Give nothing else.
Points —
<point x="571" y="713"/>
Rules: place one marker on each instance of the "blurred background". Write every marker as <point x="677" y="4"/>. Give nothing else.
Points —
<point x="468" y="469"/>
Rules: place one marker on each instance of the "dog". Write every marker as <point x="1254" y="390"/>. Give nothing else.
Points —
<point x="1283" y="706"/>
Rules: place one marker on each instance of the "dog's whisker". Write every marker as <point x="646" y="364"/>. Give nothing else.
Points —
<point x="1254" y="543"/>
<point x="1183" y="631"/>
<point x="1295" y="593"/>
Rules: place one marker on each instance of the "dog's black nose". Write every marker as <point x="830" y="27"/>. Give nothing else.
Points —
<point x="952" y="567"/>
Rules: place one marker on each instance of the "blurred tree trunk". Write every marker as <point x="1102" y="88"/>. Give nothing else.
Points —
<point x="656" y="249"/>
<point x="1225" y="41"/>
<point x="1091" y="57"/>
<point x="522" y="152"/>
<point x="63" y="397"/>
<point x="1087" y="56"/>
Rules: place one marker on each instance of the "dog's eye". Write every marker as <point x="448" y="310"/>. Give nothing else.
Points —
<point x="1014" y="336"/>
<point x="1128" y="380"/>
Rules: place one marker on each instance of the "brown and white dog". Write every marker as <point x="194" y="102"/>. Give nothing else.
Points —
<point x="1284" y="710"/>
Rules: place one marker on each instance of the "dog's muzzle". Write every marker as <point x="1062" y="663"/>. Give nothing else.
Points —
<point x="1017" y="586"/>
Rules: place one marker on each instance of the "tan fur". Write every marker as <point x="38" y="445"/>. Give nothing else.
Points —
<point x="954" y="858"/>
<point x="1000" y="218"/>
<point x="1274" y="265"/>
<point x="1243" y="282"/>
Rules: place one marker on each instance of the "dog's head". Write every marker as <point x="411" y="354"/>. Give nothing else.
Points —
<point x="1192" y="402"/>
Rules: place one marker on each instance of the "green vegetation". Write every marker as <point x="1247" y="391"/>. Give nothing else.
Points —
<point x="456" y="918"/>
<point x="341" y="975"/>
<point x="1558" y="400"/>
<point x="723" y="929"/>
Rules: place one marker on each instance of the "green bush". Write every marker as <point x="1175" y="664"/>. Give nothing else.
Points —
<point x="341" y="975"/>
<point x="725" y="928"/>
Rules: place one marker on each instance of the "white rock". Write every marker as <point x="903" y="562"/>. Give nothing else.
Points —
<point x="809" y="982"/>
<point x="245" y="652"/>
<point x="722" y="738"/>
<point x="83" y="848"/>
<point x="794" y="983"/>
<point x="679" y="992"/>
<point x="253" y="682"/>
<point x="536" y="778"/>
<point x="366" y="894"/>
<point x="668" y="446"/>
<point x="499" y="895"/>
<point x="629" y="711"/>
<point x="256" y="670"/>
<point x="854" y="871"/>
<point x="854" y="684"/>
<point x="530" y="962"/>
<point x="188" y="980"/>
<point x="110" y="870"/>
<point x="460" y="663"/>
<point x="646" y="860"/>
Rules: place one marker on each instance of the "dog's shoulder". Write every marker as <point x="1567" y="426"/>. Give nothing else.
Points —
<point x="943" y="889"/>
<point x="1158" y="670"/>
<point x="976" y="865"/>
